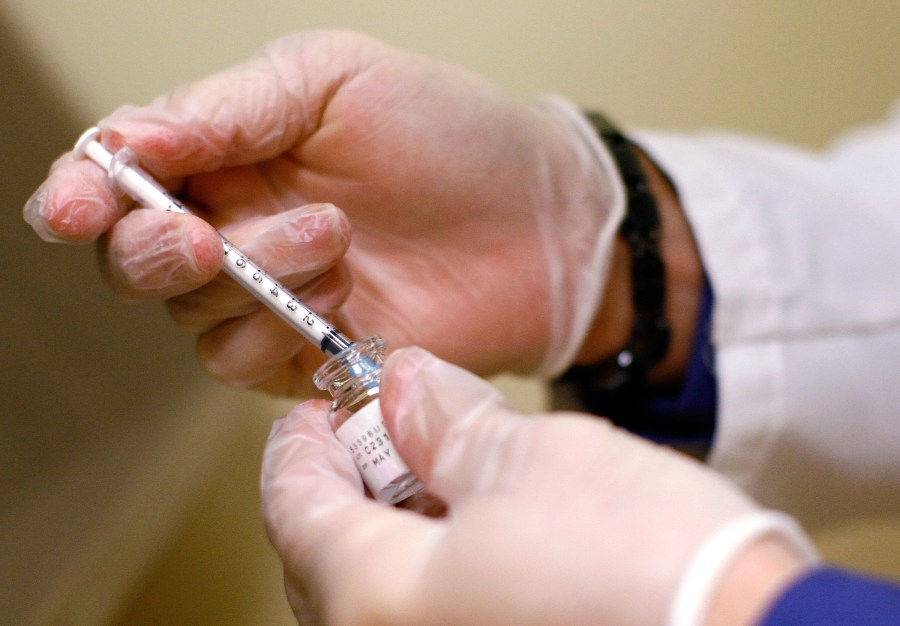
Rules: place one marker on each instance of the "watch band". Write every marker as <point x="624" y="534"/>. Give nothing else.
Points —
<point x="641" y="228"/>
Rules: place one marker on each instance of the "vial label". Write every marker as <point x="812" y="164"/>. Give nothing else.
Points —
<point x="368" y="440"/>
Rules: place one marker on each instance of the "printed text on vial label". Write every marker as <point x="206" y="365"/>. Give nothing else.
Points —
<point x="366" y="437"/>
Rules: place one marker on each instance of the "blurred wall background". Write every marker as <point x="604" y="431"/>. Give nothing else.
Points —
<point x="128" y="480"/>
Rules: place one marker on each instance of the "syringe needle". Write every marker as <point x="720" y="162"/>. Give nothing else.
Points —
<point x="140" y="186"/>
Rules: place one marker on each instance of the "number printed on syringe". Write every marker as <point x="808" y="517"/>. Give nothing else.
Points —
<point x="140" y="186"/>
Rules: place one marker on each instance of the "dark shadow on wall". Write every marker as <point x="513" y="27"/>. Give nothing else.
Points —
<point x="85" y="378"/>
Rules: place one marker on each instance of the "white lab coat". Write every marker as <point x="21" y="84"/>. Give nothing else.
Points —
<point x="803" y="252"/>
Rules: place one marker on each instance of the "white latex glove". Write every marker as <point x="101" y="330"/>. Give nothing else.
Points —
<point x="551" y="519"/>
<point x="468" y="210"/>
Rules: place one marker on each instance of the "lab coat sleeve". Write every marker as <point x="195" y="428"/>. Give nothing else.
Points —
<point x="832" y="597"/>
<point x="803" y="253"/>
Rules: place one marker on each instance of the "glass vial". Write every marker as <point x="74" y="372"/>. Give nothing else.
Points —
<point x="353" y="379"/>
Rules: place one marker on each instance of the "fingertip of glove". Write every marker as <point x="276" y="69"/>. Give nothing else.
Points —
<point x="131" y="122"/>
<point x="407" y="358"/>
<point x="276" y="429"/>
<point x="402" y="381"/>
<point x="405" y="365"/>
<point x="74" y="204"/>
<point x="34" y="214"/>
<point x="206" y="246"/>
<point x="159" y="142"/>
<point x="300" y="415"/>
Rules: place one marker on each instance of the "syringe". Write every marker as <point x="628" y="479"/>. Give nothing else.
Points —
<point x="139" y="185"/>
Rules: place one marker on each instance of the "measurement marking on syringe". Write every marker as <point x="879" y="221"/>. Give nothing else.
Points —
<point x="134" y="181"/>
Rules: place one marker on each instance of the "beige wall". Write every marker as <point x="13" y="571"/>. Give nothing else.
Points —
<point x="799" y="70"/>
<point x="121" y="504"/>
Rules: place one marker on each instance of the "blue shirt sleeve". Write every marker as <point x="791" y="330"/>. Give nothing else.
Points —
<point x="833" y="597"/>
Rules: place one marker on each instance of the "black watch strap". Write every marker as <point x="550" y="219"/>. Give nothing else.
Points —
<point x="641" y="229"/>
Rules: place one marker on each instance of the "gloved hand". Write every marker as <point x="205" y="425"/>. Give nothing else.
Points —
<point x="481" y="226"/>
<point x="550" y="519"/>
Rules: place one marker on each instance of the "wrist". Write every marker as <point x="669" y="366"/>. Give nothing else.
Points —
<point x="755" y="581"/>
<point x="737" y="572"/>
<point x="578" y="221"/>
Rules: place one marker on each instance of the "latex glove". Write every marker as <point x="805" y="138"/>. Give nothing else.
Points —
<point x="551" y="519"/>
<point x="481" y="226"/>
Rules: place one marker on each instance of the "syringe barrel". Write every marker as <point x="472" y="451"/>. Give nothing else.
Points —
<point x="127" y="175"/>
